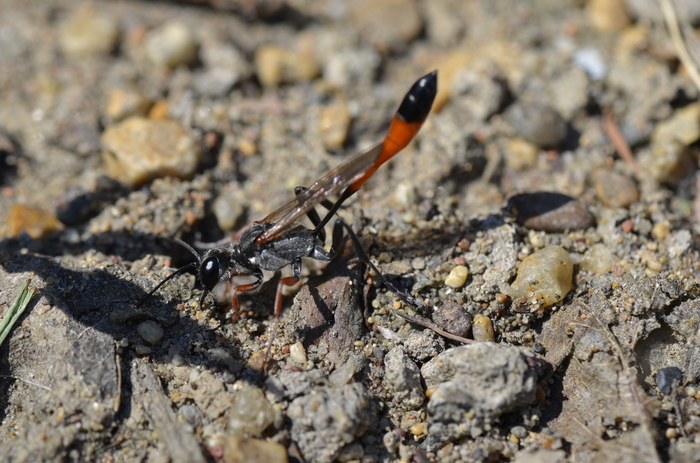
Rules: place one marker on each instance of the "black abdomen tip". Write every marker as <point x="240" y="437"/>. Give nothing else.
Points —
<point x="419" y="99"/>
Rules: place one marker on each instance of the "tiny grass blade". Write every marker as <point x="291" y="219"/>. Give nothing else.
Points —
<point x="20" y="303"/>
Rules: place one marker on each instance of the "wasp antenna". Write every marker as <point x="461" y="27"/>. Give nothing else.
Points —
<point x="168" y="278"/>
<point x="189" y="248"/>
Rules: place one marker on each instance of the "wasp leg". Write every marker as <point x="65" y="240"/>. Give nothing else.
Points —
<point x="242" y="289"/>
<point x="331" y="212"/>
<point x="313" y="214"/>
<point x="284" y="281"/>
<point x="340" y="226"/>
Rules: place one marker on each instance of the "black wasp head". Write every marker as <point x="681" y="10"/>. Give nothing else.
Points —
<point x="212" y="265"/>
<point x="209" y="272"/>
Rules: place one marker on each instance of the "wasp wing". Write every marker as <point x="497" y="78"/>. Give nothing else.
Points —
<point x="331" y="183"/>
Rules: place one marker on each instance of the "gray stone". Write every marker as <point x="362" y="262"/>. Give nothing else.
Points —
<point x="423" y="344"/>
<point x="403" y="377"/>
<point x="297" y="383"/>
<point x="171" y="44"/>
<point x="191" y="413"/>
<point x="537" y="123"/>
<point x="251" y="412"/>
<point x="325" y="421"/>
<point x="343" y="375"/>
<point x="485" y="379"/>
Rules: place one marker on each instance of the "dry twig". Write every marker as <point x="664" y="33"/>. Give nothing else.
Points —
<point x="618" y="140"/>
<point x="679" y="44"/>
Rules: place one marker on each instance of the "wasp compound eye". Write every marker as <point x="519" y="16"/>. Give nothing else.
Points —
<point x="209" y="272"/>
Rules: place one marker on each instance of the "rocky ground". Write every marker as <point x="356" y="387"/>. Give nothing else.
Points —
<point x="544" y="217"/>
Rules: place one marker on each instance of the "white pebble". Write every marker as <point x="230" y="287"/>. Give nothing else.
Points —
<point x="297" y="353"/>
<point x="150" y="331"/>
<point x="87" y="33"/>
<point x="171" y="44"/>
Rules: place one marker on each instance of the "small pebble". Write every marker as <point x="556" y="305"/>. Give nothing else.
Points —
<point x="608" y="15"/>
<point x="250" y="411"/>
<point x="448" y="69"/>
<point x="247" y="147"/>
<point x="536" y="238"/>
<point x="123" y="103"/>
<point x="666" y="162"/>
<point x="34" y="222"/>
<point x="418" y="263"/>
<point x="178" y="360"/>
<point x="142" y="350"/>
<point x="661" y="230"/>
<point x="520" y="154"/>
<point x="297" y="353"/>
<point x="613" y="189"/>
<point x="239" y="449"/>
<point x="457" y="277"/>
<point x="351" y="66"/>
<point x="171" y="44"/>
<point x="150" y="331"/>
<point x="627" y="226"/>
<point x="598" y="260"/>
<point x="191" y="413"/>
<point x="667" y="377"/>
<point x="451" y="317"/>
<point x="160" y="110"/>
<point x="392" y="440"/>
<point x="404" y="195"/>
<point x="138" y="150"/>
<point x="275" y="66"/>
<point x="671" y="433"/>
<point x="550" y="212"/>
<point x="351" y="453"/>
<point x="419" y="429"/>
<point x="334" y="125"/>
<point x="545" y="275"/>
<point x="388" y="25"/>
<point x="537" y="123"/>
<point x="87" y="33"/>
<point x="590" y="61"/>
<point x="223" y="66"/>
<point x="682" y="127"/>
<point x="228" y="210"/>
<point x="402" y="377"/>
<point x="482" y="329"/>
<point x="211" y="140"/>
<point x="443" y="26"/>
<point x="651" y="260"/>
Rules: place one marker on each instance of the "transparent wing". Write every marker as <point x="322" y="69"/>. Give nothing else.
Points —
<point x="333" y="182"/>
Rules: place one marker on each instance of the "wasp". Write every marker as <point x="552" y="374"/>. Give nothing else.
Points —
<point x="278" y="240"/>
